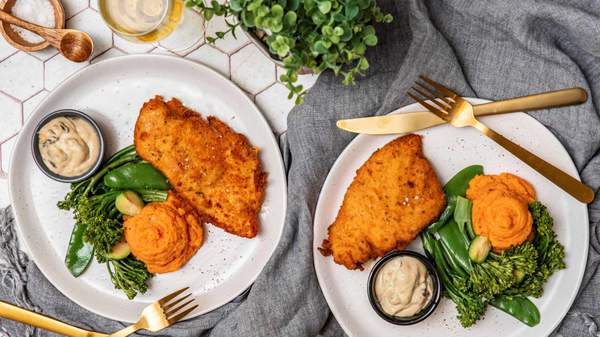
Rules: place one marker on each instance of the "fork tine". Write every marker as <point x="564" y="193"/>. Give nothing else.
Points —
<point x="430" y="107"/>
<point x="427" y="93"/>
<point x="181" y="315"/>
<point x="439" y="87"/>
<point x="172" y="304"/>
<point x="174" y="311"/>
<point x="436" y="93"/>
<point x="171" y="296"/>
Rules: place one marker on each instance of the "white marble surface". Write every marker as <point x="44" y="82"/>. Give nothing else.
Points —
<point x="26" y="78"/>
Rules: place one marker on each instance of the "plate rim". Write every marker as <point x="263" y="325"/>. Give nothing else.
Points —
<point x="328" y="297"/>
<point x="125" y="58"/>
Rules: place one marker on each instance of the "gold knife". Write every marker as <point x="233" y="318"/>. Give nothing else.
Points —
<point x="413" y="121"/>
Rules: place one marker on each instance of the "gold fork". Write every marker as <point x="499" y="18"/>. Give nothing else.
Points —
<point x="452" y="108"/>
<point x="160" y="314"/>
<point x="155" y="317"/>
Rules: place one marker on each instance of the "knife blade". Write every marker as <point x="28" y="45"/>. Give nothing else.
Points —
<point x="397" y="122"/>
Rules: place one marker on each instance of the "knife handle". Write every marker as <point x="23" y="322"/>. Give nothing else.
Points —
<point x="551" y="99"/>
<point x="18" y="314"/>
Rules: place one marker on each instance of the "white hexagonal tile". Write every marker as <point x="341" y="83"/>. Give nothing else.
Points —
<point x="6" y="49"/>
<point x="94" y="4"/>
<point x="32" y="103"/>
<point x="132" y="47"/>
<point x="90" y="22"/>
<point x="73" y="7"/>
<point x="11" y="117"/>
<point x="275" y="106"/>
<point x="21" y="75"/>
<point x="162" y="51"/>
<point x="57" y="69"/>
<point x="4" y="198"/>
<point x="188" y="36"/>
<point x="6" y="152"/>
<point x="307" y="80"/>
<point x="45" y="54"/>
<point x="252" y="70"/>
<point x="211" y="57"/>
<point x="228" y="43"/>
<point x="112" y="52"/>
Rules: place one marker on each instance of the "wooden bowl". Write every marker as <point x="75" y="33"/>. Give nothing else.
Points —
<point x="16" y="40"/>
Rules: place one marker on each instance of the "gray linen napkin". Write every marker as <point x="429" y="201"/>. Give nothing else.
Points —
<point x="491" y="49"/>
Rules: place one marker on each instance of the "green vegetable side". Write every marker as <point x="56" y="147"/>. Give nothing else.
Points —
<point x="473" y="276"/>
<point x="98" y="229"/>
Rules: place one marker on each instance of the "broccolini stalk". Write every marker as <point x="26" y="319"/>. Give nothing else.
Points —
<point x="550" y="253"/>
<point x="129" y="275"/>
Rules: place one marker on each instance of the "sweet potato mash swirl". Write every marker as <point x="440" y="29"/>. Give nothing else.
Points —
<point x="500" y="209"/>
<point x="164" y="235"/>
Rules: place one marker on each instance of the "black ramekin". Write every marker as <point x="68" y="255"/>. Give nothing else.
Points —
<point x="426" y="311"/>
<point x="37" y="156"/>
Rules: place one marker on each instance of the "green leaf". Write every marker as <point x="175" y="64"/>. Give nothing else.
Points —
<point x="248" y="19"/>
<point x="364" y="4"/>
<point x="318" y="18"/>
<point x="325" y="6"/>
<point x="276" y="27"/>
<point x="338" y="31"/>
<point x="321" y="46"/>
<point x="290" y="18"/>
<point x="327" y="30"/>
<point x="370" y="40"/>
<point x="208" y="14"/>
<point x="235" y="5"/>
<point x="262" y="11"/>
<point x="351" y="12"/>
<point x="293" y="4"/>
<point x="277" y="11"/>
<point x="363" y="64"/>
<point x="254" y="5"/>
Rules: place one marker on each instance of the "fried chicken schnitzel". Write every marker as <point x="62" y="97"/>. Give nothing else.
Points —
<point x="394" y="195"/>
<point x="216" y="169"/>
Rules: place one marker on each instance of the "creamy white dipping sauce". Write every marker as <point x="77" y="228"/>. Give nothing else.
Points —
<point x="403" y="286"/>
<point x="69" y="146"/>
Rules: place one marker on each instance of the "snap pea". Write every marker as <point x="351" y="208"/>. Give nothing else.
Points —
<point x="446" y="214"/>
<point x="136" y="176"/>
<point x="456" y="244"/>
<point x="79" y="252"/>
<point x="518" y="306"/>
<point x="460" y="182"/>
<point x="462" y="216"/>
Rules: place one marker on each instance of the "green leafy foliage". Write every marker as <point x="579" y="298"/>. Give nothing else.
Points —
<point x="317" y="34"/>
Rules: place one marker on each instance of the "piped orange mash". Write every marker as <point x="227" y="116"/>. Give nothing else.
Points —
<point x="500" y="209"/>
<point x="165" y="235"/>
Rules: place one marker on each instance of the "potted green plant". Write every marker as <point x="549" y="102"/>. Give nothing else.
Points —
<point x="304" y="35"/>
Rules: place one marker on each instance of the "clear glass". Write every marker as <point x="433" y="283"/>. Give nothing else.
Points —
<point x="167" y="23"/>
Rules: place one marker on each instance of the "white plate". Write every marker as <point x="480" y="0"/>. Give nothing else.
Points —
<point x="112" y="92"/>
<point x="449" y="150"/>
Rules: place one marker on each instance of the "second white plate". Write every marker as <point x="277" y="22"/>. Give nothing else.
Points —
<point x="449" y="150"/>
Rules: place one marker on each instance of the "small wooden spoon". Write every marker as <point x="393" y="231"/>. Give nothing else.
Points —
<point x="75" y="45"/>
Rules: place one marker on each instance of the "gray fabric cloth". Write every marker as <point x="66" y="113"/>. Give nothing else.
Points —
<point x="489" y="49"/>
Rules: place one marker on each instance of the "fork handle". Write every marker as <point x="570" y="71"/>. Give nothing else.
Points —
<point x="125" y="331"/>
<point x="18" y="314"/>
<point x="569" y="184"/>
<point x="551" y="99"/>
